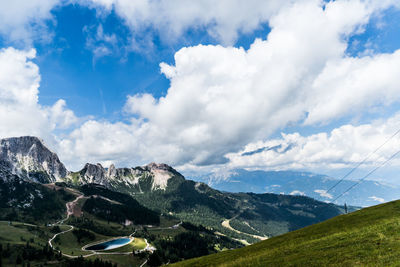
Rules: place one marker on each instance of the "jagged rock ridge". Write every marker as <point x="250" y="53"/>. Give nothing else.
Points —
<point x="135" y="180"/>
<point x="30" y="159"/>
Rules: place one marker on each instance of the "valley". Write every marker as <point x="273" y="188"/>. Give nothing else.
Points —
<point x="72" y="208"/>
<point x="71" y="238"/>
<point x="62" y="241"/>
<point x="163" y="217"/>
<point x="243" y="133"/>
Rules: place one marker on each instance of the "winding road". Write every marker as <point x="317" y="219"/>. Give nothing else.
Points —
<point x="227" y="225"/>
<point x="70" y="211"/>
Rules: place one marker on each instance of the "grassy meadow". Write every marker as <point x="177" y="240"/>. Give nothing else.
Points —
<point x="368" y="237"/>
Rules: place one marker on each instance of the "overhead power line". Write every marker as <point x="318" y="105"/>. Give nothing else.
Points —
<point x="363" y="161"/>
<point x="366" y="176"/>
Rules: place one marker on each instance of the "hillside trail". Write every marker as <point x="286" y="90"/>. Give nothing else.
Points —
<point x="226" y="224"/>
<point x="175" y="226"/>
<point x="70" y="211"/>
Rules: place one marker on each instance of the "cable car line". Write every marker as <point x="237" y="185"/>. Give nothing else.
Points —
<point x="366" y="176"/>
<point x="363" y="161"/>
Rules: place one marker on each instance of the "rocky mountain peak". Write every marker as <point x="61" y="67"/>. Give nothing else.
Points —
<point x="153" y="176"/>
<point x="161" y="174"/>
<point x="159" y="166"/>
<point x="29" y="158"/>
<point x="94" y="173"/>
<point x="112" y="171"/>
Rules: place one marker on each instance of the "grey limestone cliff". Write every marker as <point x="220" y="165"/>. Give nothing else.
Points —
<point x="30" y="159"/>
<point x="138" y="179"/>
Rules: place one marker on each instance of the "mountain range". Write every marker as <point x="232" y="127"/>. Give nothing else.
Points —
<point x="367" y="193"/>
<point x="35" y="187"/>
<point x="161" y="188"/>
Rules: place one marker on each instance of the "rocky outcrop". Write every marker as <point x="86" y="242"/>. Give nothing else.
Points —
<point x="30" y="159"/>
<point x="161" y="174"/>
<point x="93" y="173"/>
<point x="138" y="180"/>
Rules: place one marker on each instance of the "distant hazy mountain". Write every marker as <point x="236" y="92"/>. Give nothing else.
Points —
<point x="303" y="183"/>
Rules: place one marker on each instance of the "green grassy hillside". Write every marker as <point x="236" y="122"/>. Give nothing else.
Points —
<point x="369" y="237"/>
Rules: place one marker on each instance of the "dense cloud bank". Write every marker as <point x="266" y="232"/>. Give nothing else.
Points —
<point x="225" y="101"/>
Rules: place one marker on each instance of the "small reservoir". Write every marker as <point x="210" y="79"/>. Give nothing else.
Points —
<point x="115" y="243"/>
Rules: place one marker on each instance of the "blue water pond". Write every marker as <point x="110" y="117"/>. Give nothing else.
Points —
<point x="115" y="243"/>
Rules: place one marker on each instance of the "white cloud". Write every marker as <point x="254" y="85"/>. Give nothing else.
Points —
<point x="379" y="199"/>
<point x="297" y="193"/>
<point x="61" y="117"/>
<point x="22" y="21"/>
<point x="100" y="142"/>
<point x="223" y="19"/>
<point x="348" y="85"/>
<point x="101" y="43"/>
<point x="323" y="193"/>
<point x="343" y="147"/>
<point x="222" y="98"/>
<point x="20" y="113"/>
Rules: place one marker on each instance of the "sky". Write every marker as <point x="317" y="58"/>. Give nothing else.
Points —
<point x="205" y="86"/>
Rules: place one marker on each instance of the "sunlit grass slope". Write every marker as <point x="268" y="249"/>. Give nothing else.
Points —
<point x="368" y="237"/>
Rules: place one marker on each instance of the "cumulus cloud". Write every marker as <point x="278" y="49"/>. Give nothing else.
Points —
<point x="297" y="193"/>
<point x="20" y="112"/>
<point x="223" y="19"/>
<point x="379" y="199"/>
<point x="98" y="141"/>
<point x="343" y="147"/>
<point x="23" y="21"/>
<point x="348" y="85"/>
<point x="222" y="98"/>
<point x="323" y="193"/>
<point x="60" y="116"/>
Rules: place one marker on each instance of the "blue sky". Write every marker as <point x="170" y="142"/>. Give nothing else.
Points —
<point x="95" y="86"/>
<point x="99" y="86"/>
<point x="70" y="70"/>
<point x="199" y="86"/>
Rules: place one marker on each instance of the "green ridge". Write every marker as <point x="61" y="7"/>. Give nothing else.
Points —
<point x="368" y="237"/>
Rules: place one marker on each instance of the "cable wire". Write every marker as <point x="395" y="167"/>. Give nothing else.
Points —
<point x="366" y="176"/>
<point x="363" y="161"/>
